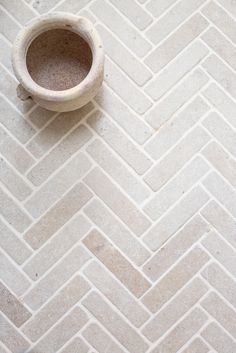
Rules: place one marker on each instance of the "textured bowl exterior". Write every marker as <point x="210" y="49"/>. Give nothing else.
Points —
<point x="77" y="96"/>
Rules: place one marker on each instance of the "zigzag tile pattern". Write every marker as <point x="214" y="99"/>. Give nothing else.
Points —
<point x="118" y="220"/>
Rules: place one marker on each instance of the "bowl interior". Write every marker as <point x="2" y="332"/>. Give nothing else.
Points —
<point x="58" y="59"/>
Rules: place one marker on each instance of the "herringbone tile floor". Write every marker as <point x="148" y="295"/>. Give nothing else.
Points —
<point x="118" y="228"/>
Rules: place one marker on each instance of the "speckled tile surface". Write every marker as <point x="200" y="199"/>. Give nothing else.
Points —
<point x="118" y="228"/>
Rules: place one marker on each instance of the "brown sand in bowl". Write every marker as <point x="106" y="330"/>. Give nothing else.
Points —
<point x="58" y="59"/>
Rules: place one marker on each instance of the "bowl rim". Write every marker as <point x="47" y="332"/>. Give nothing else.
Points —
<point x="77" y="24"/>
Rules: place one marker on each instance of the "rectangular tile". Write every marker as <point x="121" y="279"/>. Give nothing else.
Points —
<point x="9" y="336"/>
<point x="57" y="216"/>
<point x="132" y="123"/>
<point x="221" y="19"/>
<point x="222" y="191"/>
<point x="118" y="171"/>
<point x="13" y="213"/>
<point x="13" y="245"/>
<point x="221" y="281"/>
<point x="173" y="45"/>
<point x="62" y="332"/>
<point x="176" y="70"/>
<point x="59" y="154"/>
<point x="12" y="276"/>
<point x="105" y="189"/>
<point x="117" y="232"/>
<point x="221" y="251"/>
<point x="56" y="277"/>
<point x="12" y="307"/>
<point x="55" y="130"/>
<point x="64" y="300"/>
<point x="221" y="73"/>
<point x="176" y="188"/>
<point x="117" y="24"/>
<point x="5" y="54"/>
<point x="14" y="152"/>
<point x="157" y="8"/>
<point x="132" y="95"/>
<point x="56" y="247"/>
<point x="180" y="335"/>
<point x="76" y="345"/>
<point x="218" y="338"/>
<point x="18" y="9"/>
<point x="221" y="160"/>
<point x="176" y="218"/>
<point x="176" y="158"/>
<point x="120" y="297"/>
<point x="134" y="68"/>
<point x="222" y="221"/>
<point x="8" y="27"/>
<point x="197" y="346"/>
<point x="221" y="131"/>
<point x="57" y="185"/>
<point x="15" y="122"/>
<point x="116" y="139"/>
<point x="172" y="19"/>
<point x="40" y="116"/>
<point x="221" y="101"/>
<point x="221" y="46"/>
<point x="181" y="94"/>
<point x="100" y="340"/>
<point x="221" y="311"/>
<point x="116" y="263"/>
<point x="175" y="247"/>
<point x="135" y="13"/>
<point x="13" y="181"/>
<point x="168" y="316"/>
<point x="175" y="279"/>
<point x="123" y="332"/>
<point x="174" y="129"/>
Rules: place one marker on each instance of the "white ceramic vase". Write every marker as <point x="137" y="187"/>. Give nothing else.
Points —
<point x="65" y="99"/>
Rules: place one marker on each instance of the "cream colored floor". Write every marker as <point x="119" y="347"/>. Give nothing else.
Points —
<point x="118" y="229"/>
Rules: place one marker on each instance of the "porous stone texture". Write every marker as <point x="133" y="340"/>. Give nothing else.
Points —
<point x="118" y="227"/>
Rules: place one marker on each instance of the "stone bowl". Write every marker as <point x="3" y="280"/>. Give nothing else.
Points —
<point x="59" y="61"/>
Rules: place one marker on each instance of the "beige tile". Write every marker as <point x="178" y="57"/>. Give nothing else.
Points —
<point x="114" y="323"/>
<point x="61" y="332"/>
<point x="58" y="215"/>
<point x="12" y="307"/>
<point x="116" y="263"/>
<point x="13" y="245"/>
<point x="174" y="44"/>
<point x="59" y="155"/>
<point x="221" y="281"/>
<point x="117" y="232"/>
<point x="218" y="338"/>
<point x="55" y="187"/>
<point x="171" y="222"/>
<point x="119" y="296"/>
<point x="175" y="279"/>
<point x="174" y="310"/>
<point x="221" y="311"/>
<point x="64" y="300"/>
<point x="100" y="340"/>
<point x="56" y="277"/>
<point x="56" y="247"/>
<point x="105" y="189"/>
<point x="175" y="248"/>
<point x="182" y="332"/>
<point x="129" y="35"/>
<point x="119" y="142"/>
<point x="9" y="336"/>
